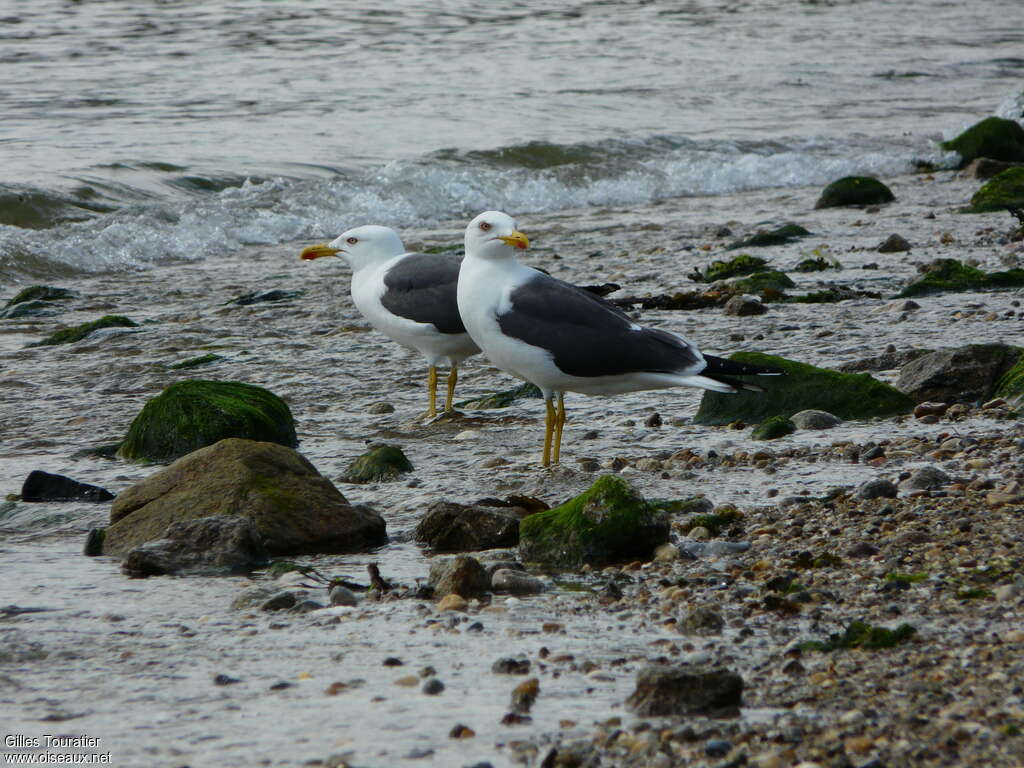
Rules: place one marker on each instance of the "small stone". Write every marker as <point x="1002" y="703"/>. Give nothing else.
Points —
<point x="460" y="731"/>
<point x="511" y="666"/>
<point x="393" y="661"/>
<point x="432" y="686"/>
<point x="408" y="681"/>
<point x="524" y="694"/>
<point x="717" y="748"/>
<point x="515" y="582"/>
<point x="925" y="478"/>
<point x="930" y="409"/>
<point x="862" y="549"/>
<point x="381" y="407"/>
<point x="683" y="690"/>
<point x="744" y="306"/>
<point x="43" y="486"/>
<point x="666" y="553"/>
<point x="1007" y="593"/>
<point x="654" y="420"/>
<point x="812" y="419"/>
<point x="343" y="596"/>
<point x="700" y="533"/>
<point x="894" y="244"/>
<point x="462" y="575"/>
<point x="223" y="679"/>
<point x="877" y="488"/>
<point x="280" y="601"/>
<point x="453" y="602"/>
<point x="702" y="621"/>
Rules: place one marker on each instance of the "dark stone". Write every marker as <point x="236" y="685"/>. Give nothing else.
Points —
<point x="861" y="549"/>
<point x="926" y="478"/>
<point x="258" y="297"/>
<point x="854" y="190"/>
<point x="451" y="527"/>
<point x="894" y="244"/>
<point x="190" y="415"/>
<point x="744" y="306"/>
<point x="683" y="690"/>
<point x="744" y="264"/>
<point x="42" y="486"/>
<point x="462" y="575"/>
<point x="209" y="545"/>
<point x="877" y="488"/>
<point x="432" y="686"/>
<point x="986" y="168"/>
<point x="962" y="374"/>
<point x="94" y="542"/>
<point x="504" y="398"/>
<point x="848" y="396"/>
<point x="380" y="464"/>
<point x="511" y="666"/>
<point x="608" y="523"/>
<point x="29" y="309"/>
<point x="296" y="509"/>
<point x="702" y="620"/>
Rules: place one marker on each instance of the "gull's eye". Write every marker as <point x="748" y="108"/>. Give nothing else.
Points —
<point x="485" y="226"/>
<point x="352" y="240"/>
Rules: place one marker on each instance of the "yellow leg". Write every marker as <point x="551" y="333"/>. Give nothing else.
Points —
<point x="559" y="423"/>
<point x="453" y="376"/>
<point x="431" y="392"/>
<point x="549" y="424"/>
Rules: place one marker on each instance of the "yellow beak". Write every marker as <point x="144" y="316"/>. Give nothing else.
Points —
<point x="317" y="251"/>
<point x="517" y="239"/>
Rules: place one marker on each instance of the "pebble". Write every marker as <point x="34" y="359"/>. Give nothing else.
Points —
<point x="381" y="407"/>
<point x="878" y="488"/>
<point x="516" y="582"/>
<point x="343" y="596"/>
<point x="432" y="686"/>
<point x="453" y="602"/>
<point x="812" y="419"/>
<point x="666" y="553"/>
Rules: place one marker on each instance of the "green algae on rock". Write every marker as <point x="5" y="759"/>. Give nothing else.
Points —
<point x="79" y="332"/>
<point x="610" y="522"/>
<point x="860" y="634"/>
<point x="944" y="275"/>
<point x="1003" y="191"/>
<point x="770" y="284"/>
<point x="191" y="414"/>
<point x="787" y="233"/>
<point x="379" y="464"/>
<point x="40" y="293"/>
<point x="846" y="395"/>
<point x="773" y="428"/>
<point x="296" y="509"/>
<point x="744" y="264"/>
<point x="854" y="190"/>
<point x="715" y="522"/>
<point x="994" y="137"/>
<point x="1010" y="386"/>
<point x="502" y="399"/>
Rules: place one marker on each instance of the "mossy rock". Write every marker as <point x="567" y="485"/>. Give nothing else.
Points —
<point x="189" y="415"/>
<point x="40" y="293"/>
<point x="1010" y="386"/>
<point x="504" y="398"/>
<point x="994" y="137"/>
<point x="1003" y="191"/>
<point x="744" y="264"/>
<point x="787" y="233"/>
<point x="854" y="190"/>
<point x="380" y="464"/>
<point x="846" y="395"/>
<point x="29" y="309"/>
<point x="769" y="285"/>
<point x="944" y="275"/>
<point x="79" y="332"/>
<point x="860" y="634"/>
<point x="608" y="523"/>
<point x="773" y="428"/>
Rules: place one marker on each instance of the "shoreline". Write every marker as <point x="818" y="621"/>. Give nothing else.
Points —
<point x="135" y="665"/>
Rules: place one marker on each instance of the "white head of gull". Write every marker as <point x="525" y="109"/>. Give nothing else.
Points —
<point x="565" y="339"/>
<point x="409" y="297"/>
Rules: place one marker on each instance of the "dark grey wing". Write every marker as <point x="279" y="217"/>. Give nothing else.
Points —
<point x="586" y="336"/>
<point x="422" y="287"/>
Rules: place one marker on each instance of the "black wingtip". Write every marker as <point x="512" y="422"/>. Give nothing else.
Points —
<point x="720" y="366"/>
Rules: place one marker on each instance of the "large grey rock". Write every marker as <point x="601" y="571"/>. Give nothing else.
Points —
<point x="877" y="488"/>
<point x="209" y="545"/>
<point x="925" y="478"/>
<point x="963" y="374"/>
<point x="295" y="509"/>
<point x="684" y="690"/>
<point x="451" y="527"/>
